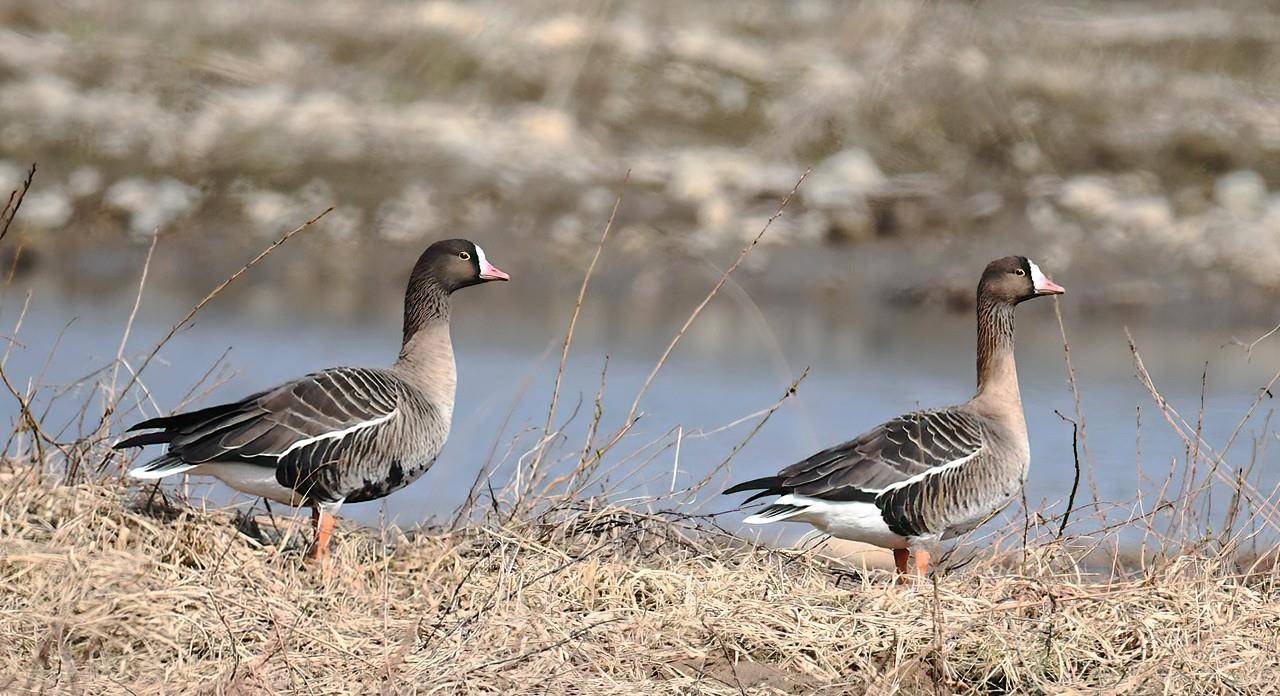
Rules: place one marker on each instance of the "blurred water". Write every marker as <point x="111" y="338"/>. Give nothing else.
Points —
<point x="868" y="362"/>
<point x="1103" y="131"/>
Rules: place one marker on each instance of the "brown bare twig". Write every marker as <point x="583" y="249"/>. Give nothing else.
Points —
<point x="15" y="201"/>
<point x="110" y="409"/>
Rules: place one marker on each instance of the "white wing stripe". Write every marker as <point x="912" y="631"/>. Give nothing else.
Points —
<point x="336" y="434"/>
<point x="937" y="470"/>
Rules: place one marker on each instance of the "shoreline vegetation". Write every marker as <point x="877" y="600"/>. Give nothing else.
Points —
<point x="542" y="583"/>
<point x="1090" y="133"/>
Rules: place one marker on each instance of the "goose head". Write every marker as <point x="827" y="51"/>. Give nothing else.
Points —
<point x="454" y="264"/>
<point x="1014" y="279"/>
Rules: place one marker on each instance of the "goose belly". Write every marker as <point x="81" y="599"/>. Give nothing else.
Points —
<point x="259" y="481"/>
<point x="388" y="479"/>
<point x="969" y="518"/>
<point x="853" y="521"/>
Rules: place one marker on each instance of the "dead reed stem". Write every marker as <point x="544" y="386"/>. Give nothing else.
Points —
<point x="693" y="316"/>
<point x="1202" y="449"/>
<point x="1079" y="422"/>
<point x="568" y="338"/>
<point x="133" y="379"/>
<point x="632" y="413"/>
<point x="14" y="202"/>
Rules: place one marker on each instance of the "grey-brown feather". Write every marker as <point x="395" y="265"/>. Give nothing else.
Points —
<point x="875" y="465"/>
<point x="363" y="464"/>
<point x="946" y="501"/>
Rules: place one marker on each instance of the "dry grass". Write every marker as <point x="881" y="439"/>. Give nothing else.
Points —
<point x="104" y="595"/>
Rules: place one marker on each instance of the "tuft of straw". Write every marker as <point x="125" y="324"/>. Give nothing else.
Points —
<point x="103" y="594"/>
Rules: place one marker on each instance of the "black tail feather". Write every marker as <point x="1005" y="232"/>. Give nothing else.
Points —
<point x="755" y="485"/>
<point x="765" y="494"/>
<point x="182" y="420"/>
<point x="144" y="439"/>
<point x="766" y="486"/>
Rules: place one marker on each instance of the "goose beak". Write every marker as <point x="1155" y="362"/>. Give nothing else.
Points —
<point x="1041" y="282"/>
<point x="489" y="271"/>
<point x="1047" y="287"/>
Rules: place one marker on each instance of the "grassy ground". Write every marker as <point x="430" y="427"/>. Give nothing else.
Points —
<point x="101" y="592"/>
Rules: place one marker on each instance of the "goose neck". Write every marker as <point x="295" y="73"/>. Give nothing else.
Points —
<point x="426" y="353"/>
<point x="997" y="371"/>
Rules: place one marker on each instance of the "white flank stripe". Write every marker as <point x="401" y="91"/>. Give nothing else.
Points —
<point x="922" y="475"/>
<point x="762" y="518"/>
<point x="856" y="521"/>
<point x="142" y="472"/>
<point x="336" y="434"/>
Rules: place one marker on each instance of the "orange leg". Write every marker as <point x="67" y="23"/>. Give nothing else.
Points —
<point x="922" y="562"/>
<point x="900" y="562"/>
<point x="322" y="522"/>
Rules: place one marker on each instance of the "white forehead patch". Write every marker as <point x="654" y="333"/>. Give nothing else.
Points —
<point x="1037" y="276"/>
<point x="484" y="263"/>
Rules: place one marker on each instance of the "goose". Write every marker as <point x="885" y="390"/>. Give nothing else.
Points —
<point x="929" y="475"/>
<point x="341" y="435"/>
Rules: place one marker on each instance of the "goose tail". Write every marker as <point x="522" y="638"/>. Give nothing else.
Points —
<point x="159" y="468"/>
<point x="777" y="512"/>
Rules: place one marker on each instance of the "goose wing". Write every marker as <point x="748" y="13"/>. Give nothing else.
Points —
<point x="899" y="452"/>
<point x="298" y="428"/>
<point x="906" y="468"/>
<point x="892" y="456"/>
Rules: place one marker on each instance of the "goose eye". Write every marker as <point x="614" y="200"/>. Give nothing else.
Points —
<point x="1020" y="272"/>
<point x="467" y="257"/>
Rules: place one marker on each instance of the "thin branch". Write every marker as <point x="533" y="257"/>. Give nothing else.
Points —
<point x="1075" y="482"/>
<point x="790" y="392"/>
<point x="632" y="416"/>
<point x="1075" y="393"/>
<point x="1181" y="427"/>
<point x="742" y="256"/>
<point x="15" y="201"/>
<point x="568" y="336"/>
<point x="106" y="414"/>
<point x="1248" y="347"/>
<point x="133" y="312"/>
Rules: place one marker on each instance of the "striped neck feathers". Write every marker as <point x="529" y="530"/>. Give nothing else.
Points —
<point x="426" y="353"/>
<point x="997" y="374"/>
<point x="425" y="303"/>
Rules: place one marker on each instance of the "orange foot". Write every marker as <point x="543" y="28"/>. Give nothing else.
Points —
<point x="322" y="522"/>
<point x="922" y="563"/>
<point x="900" y="563"/>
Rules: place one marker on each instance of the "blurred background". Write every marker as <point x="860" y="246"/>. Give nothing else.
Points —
<point x="1132" y="149"/>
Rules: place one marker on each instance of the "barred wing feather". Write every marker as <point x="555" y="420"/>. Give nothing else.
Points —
<point x="887" y="456"/>
<point x="299" y="427"/>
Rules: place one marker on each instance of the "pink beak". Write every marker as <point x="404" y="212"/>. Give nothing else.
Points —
<point x="1048" y="287"/>
<point x="489" y="271"/>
